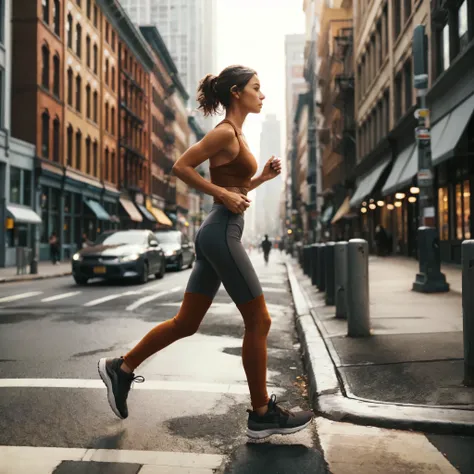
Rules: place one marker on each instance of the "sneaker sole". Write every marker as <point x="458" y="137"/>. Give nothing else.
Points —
<point x="108" y="383"/>
<point x="282" y="431"/>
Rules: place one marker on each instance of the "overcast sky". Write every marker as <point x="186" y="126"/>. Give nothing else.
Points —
<point x="252" y="33"/>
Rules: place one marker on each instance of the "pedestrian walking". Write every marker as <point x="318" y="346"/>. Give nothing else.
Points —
<point x="220" y="255"/>
<point x="266" y="247"/>
<point x="54" y="248"/>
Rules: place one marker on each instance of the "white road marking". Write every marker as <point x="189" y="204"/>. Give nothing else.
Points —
<point x="60" y="297"/>
<point x="20" y="296"/>
<point x="14" y="457"/>
<point x="273" y="290"/>
<point x="168" y="385"/>
<point x="149" y="298"/>
<point x="103" y="299"/>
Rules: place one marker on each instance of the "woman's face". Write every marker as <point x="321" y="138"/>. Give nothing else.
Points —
<point x="251" y="97"/>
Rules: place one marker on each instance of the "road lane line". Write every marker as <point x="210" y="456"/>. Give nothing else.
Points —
<point x="60" y="297"/>
<point x="149" y="298"/>
<point x="103" y="299"/>
<point x="7" y="299"/>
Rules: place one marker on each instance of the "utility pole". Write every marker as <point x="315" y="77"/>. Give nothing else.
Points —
<point x="429" y="279"/>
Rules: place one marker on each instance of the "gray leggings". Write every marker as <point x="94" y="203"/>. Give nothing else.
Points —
<point x="221" y="257"/>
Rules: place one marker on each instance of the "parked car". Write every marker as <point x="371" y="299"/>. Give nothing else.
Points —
<point x="120" y="254"/>
<point x="179" y="251"/>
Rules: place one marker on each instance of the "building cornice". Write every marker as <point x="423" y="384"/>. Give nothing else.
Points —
<point x="158" y="46"/>
<point x="127" y="31"/>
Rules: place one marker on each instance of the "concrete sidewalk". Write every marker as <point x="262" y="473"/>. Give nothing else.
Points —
<point x="409" y="373"/>
<point x="45" y="270"/>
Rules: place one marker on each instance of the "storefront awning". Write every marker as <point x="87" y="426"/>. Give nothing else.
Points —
<point x="160" y="216"/>
<point x="23" y="214"/>
<point x="393" y="181"/>
<point x="97" y="209"/>
<point x="148" y="215"/>
<point x="343" y="210"/>
<point x="131" y="210"/>
<point x="367" y="182"/>
<point x="445" y="138"/>
<point x="410" y="170"/>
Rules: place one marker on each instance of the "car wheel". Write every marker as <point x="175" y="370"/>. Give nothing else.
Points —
<point x="80" y="280"/>
<point x="161" y="273"/>
<point x="179" y="264"/>
<point x="144" y="276"/>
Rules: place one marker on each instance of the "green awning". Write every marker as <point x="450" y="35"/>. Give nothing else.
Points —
<point x="393" y="182"/>
<point x="97" y="209"/>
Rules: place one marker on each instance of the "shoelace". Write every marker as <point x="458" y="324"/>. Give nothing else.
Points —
<point x="275" y="405"/>
<point x="137" y="379"/>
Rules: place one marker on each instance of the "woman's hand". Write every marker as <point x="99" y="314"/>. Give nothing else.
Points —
<point x="272" y="169"/>
<point x="235" y="202"/>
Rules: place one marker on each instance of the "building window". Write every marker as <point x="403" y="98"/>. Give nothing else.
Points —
<point x="114" y="168"/>
<point x="78" y="93"/>
<point x="69" y="31"/>
<point x="56" y="140"/>
<point x="88" y="156"/>
<point x="96" y="16"/>
<point x="95" y="106"/>
<point x="106" y="165"/>
<point x="88" y="101"/>
<point x="96" y="59"/>
<point x="69" y="86"/>
<point x="57" y="17"/>
<point x="407" y="5"/>
<point x="45" y="4"/>
<point x="88" y="51"/>
<point x="408" y="85"/>
<point x="45" y="67"/>
<point x="95" y="158"/>
<point x="70" y="139"/>
<point x="112" y="120"/>
<point x="15" y="185"/>
<point x="397" y="17"/>
<point x="78" y="149"/>
<point x="89" y="9"/>
<point x="45" y="134"/>
<point x="57" y="75"/>
<point x="463" y="211"/>
<point x="107" y="32"/>
<point x="113" y="41"/>
<point x="112" y="78"/>
<point x="107" y="117"/>
<point x="463" y="26"/>
<point x="79" y="40"/>
<point x="107" y="71"/>
<point x="443" y="210"/>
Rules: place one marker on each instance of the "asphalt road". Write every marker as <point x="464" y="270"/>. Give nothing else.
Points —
<point x="189" y="415"/>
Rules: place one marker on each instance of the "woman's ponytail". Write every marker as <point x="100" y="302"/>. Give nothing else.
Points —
<point x="207" y="95"/>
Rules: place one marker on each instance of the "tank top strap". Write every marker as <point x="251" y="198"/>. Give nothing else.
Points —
<point x="231" y="124"/>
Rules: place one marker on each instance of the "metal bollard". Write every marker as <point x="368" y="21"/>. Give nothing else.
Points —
<point x="307" y="262"/>
<point x="314" y="263"/>
<point x="329" y="263"/>
<point x="468" y="310"/>
<point x="340" y="279"/>
<point x="358" y="317"/>
<point x="322" y="267"/>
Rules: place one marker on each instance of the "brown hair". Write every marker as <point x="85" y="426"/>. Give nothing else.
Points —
<point x="214" y="91"/>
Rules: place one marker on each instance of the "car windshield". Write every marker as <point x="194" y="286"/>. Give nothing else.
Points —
<point x="120" y="238"/>
<point x="168" y="237"/>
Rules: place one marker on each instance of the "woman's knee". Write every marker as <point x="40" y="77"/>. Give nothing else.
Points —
<point x="256" y="316"/>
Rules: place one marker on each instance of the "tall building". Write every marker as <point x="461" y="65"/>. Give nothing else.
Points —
<point x="188" y="28"/>
<point x="267" y="202"/>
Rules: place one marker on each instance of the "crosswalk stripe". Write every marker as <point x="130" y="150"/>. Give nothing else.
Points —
<point x="149" y="298"/>
<point x="13" y="455"/>
<point x="60" y="297"/>
<point x="273" y="290"/>
<point x="20" y="296"/>
<point x="103" y="299"/>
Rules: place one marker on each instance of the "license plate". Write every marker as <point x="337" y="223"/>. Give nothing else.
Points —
<point x="100" y="270"/>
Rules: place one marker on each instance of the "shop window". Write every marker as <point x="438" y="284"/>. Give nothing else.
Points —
<point x="15" y="185"/>
<point x="463" y="211"/>
<point x="443" y="213"/>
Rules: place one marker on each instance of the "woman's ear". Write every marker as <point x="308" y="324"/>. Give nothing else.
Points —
<point x="235" y="92"/>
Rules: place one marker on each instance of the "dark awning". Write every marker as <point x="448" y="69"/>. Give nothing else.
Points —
<point x="97" y="209"/>
<point x="446" y="133"/>
<point x="23" y="214"/>
<point x="367" y="182"/>
<point x="148" y="215"/>
<point x="393" y="182"/>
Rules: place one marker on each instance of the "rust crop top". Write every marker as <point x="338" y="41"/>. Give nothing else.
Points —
<point x="237" y="173"/>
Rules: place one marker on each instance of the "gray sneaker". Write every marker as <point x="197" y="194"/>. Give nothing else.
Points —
<point x="118" y="384"/>
<point x="276" y="420"/>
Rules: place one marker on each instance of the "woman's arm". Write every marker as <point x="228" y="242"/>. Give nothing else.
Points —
<point x="256" y="182"/>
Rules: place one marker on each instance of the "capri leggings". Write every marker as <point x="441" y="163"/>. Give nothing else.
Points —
<point x="220" y="258"/>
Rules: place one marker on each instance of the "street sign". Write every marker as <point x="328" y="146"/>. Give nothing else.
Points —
<point x="422" y="133"/>
<point x="422" y="113"/>
<point x="425" y="177"/>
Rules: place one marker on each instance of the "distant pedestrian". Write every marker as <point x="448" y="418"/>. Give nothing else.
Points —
<point x="54" y="248"/>
<point x="85" y="242"/>
<point x="266" y="247"/>
<point x="221" y="257"/>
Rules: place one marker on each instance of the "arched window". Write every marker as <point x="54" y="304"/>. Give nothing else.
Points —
<point x="45" y="134"/>
<point x="106" y="165"/>
<point x="88" y="51"/>
<point x="88" y="101"/>
<point x="45" y="4"/>
<point x="107" y="71"/>
<point x="56" y="140"/>
<point x="70" y="145"/>
<point x="96" y="59"/>
<point x="107" y="117"/>
<point x="95" y="106"/>
<point x="95" y="159"/>
<point x="79" y="39"/>
<point x="78" y="92"/>
<point x="57" y="16"/>
<point x="88" y="156"/>
<point x="45" y="66"/>
<point x="78" y="149"/>
<point x="56" y="75"/>
<point x="69" y="86"/>
<point x="112" y="120"/>
<point x="69" y="31"/>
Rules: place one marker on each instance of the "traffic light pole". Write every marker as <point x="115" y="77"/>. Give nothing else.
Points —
<point x="429" y="279"/>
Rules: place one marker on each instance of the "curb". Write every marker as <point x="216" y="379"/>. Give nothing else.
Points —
<point x="19" y="278"/>
<point x="331" y="399"/>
